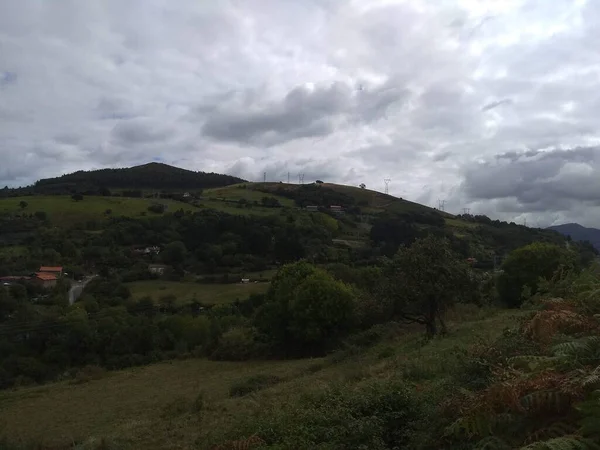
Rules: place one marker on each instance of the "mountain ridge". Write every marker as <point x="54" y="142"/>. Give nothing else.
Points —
<point x="579" y="233"/>
<point x="152" y="175"/>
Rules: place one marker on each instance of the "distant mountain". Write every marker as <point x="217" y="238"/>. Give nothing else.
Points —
<point x="579" y="233"/>
<point x="147" y="176"/>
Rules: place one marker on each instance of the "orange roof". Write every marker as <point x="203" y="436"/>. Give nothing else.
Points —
<point x="50" y="269"/>
<point x="45" y="276"/>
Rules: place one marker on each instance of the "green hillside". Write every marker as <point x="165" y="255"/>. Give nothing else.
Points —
<point x="257" y="309"/>
<point x="64" y="211"/>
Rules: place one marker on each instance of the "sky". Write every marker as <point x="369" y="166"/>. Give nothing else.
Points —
<point x="487" y="105"/>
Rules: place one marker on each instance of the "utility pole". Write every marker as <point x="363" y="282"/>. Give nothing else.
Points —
<point x="387" y="185"/>
<point x="288" y="178"/>
<point x="300" y="178"/>
<point x="264" y="177"/>
<point x="441" y="204"/>
<point x="466" y="211"/>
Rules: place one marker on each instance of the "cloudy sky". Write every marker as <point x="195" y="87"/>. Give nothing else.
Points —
<point x="489" y="105"/>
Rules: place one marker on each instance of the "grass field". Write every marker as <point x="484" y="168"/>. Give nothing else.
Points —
<point x="156" y="407"/>
<point x="188" y="291"/>
<point x="234" y="192"/>
<point x="62" y="210"/>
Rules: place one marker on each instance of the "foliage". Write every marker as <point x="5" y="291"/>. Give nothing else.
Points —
<point x="379" y="415"/>
<point x="526" y="265"/>
<point x="305" y="309"/>
<point x="148" y="176"/>
<point x="424" y="280"/>
<point x="539" y="399"/>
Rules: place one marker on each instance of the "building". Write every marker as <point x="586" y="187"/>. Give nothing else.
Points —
<point x="56" y="271"/>
<point x="158" y="269"/>
<point x="46" y="280"/>
<point x="245" y="280"/>
<point x="336" y="209"/>
<point x="312" y="208"/>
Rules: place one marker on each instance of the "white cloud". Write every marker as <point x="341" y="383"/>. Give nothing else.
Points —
<point x="351" y="91"/>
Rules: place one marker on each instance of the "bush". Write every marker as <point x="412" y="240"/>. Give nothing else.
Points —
<point x="379" y="415"/>
<point x="253" y="384"/>
<point x="88" y="373"/>
<point x="238" y="344"/>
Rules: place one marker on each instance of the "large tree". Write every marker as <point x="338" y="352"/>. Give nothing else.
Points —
<point x="424" y="280"/>
<point x="526" y="265"/>
<point x="305" y="309"/>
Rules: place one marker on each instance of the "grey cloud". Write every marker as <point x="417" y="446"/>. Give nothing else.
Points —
<point x="537" y="181"/>
<point x="7" y="78"/>
<point x="301" y="113"/>
<point x="492" y="105"/>
<point x="140" y="131"/>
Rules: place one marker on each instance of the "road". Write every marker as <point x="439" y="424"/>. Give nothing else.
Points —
<point x="77" y="289"/>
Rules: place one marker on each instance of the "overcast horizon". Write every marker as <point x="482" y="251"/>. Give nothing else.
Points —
<point x="489" y="105"/>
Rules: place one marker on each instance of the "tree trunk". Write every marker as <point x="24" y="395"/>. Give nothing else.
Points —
<point x="444" y="328"/>
<point x="431" y="328"/>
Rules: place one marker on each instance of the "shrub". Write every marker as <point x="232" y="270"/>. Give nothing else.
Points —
<point x="378" y="415"/>
<point x="238" y="344"/>
<point x="253" y="384"/>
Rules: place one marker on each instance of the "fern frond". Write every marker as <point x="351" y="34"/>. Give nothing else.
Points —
<point x="555" y="430"/>
<point x="592" y="379"/>
<point x="545" y="401"/>
<point x="563" y="443"/>
<point x="492" y="443"/>
<point x="474" y="426"/>
<point x="590" y="412"/>
<point x="532" y="362"/>
<point x="586" y="350"/>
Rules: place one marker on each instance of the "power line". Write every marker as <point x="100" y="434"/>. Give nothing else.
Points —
<point x="387" y="185"/>
<point x="441" y="205"/>
<point x="466" y="211"/>
<point x="300" y="178"/>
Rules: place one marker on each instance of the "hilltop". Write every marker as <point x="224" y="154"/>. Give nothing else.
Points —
<point x="157" y="176"/>
<point x="579" y="233"/>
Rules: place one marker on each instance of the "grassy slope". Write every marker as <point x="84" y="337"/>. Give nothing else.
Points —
<point x="62" y="210"/>
<point x="205" y="293"/>
<point x="152" y="407"/>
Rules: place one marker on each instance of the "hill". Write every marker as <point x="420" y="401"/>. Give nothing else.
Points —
<point x="156" y="176"/>
<point x="579" y="233"/>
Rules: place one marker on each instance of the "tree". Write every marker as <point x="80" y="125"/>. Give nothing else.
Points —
<point x="305" y="309"/>
<point x="526" y="265"/>
<point x="362" y="185"/>
<point x="393" y="232"/>
<point x="23" y="204"/>
<point x="77" y="197"/>
<point x="424" y="280"/>
<point x="174" y="253"/>
<point x="319" y="182"/>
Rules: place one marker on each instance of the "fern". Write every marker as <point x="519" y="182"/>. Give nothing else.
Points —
<point x="590" y="413"/>
<point x="557" y="429"/>
<point x="541" y="401"/>
<point x="492" y="443"/>
<point x="470" y="427"/>
<point x="593" y="379"/>
<point x="532" y="362"/>
<point x="584" y="351"/>
<point x="563" y="443"/>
